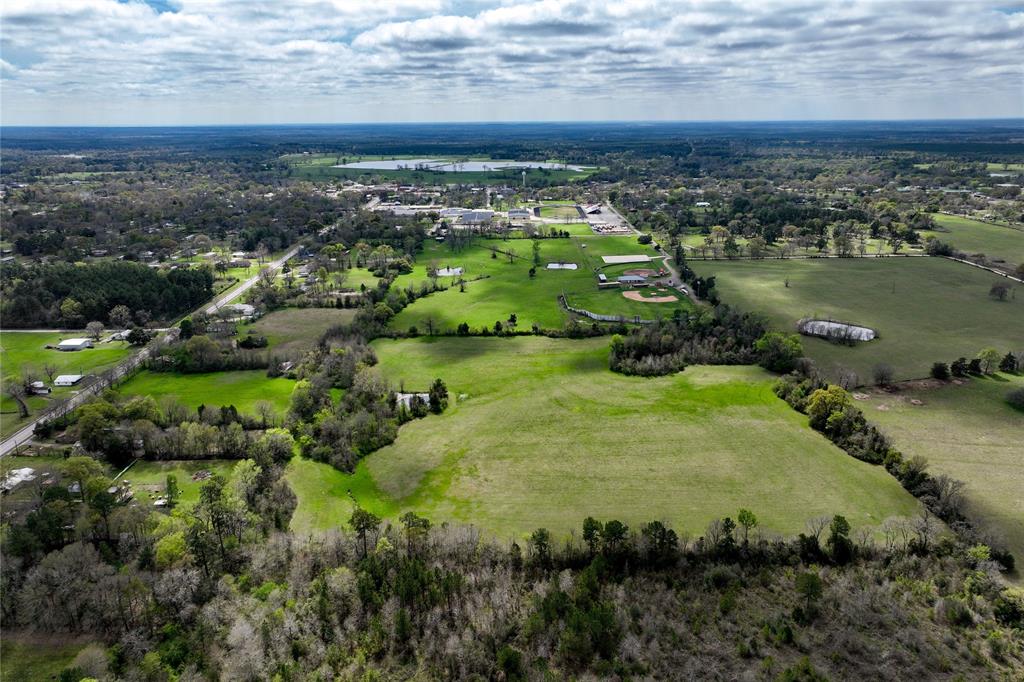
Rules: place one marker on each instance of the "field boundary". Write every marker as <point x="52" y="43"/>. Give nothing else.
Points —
<point x="603" y="318"/>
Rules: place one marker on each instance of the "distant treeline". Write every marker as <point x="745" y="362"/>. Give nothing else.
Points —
<point x="68" y="295"/>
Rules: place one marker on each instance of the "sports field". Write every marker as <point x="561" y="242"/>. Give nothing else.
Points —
<point x="243" y="389"/>
<point x="969" y="432"/>
<point x="974" y="236"/>
<point x="532" y="414"/>
<point x="924" y="309"/>
<point x="22" y="352"/>
<point x="505" y="286"/>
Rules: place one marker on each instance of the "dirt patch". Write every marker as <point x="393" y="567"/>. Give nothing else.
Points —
<point x="883" y="408"/>
<point x="637" y="296"/>
<point x="861" y="396"/>
<point x="642" y="272"/>
<point x="915" y="401"/>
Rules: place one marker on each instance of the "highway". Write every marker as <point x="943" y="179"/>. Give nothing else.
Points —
<point x="134" y="360"/>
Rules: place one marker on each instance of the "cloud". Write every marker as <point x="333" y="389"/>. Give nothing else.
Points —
<point x="236" y="61"/>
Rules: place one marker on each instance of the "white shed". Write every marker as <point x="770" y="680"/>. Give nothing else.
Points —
<point x="67" y="379"/>
<point x="74" y="344"/>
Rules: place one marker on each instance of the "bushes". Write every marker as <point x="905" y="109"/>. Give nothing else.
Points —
<point x="778" y="352"/>
<point x="1016" y="398"/>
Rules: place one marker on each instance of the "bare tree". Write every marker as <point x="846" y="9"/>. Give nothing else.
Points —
<point x="50" y="370"/>
<point x="94" y="329"/>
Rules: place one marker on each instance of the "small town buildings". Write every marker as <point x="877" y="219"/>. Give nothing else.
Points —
<point x="74" y="344"/>
<point x="519" y="214"/>
<point x="67" y="379"/>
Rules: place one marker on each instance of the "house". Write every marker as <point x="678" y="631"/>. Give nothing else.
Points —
<point x="633" y="280"/>
<point x="38" y="388"/>
<point x="67" y="379"/>
<point x="74" y="344"/>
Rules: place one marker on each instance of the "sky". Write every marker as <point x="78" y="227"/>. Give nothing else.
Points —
<point x="191" y="62"/>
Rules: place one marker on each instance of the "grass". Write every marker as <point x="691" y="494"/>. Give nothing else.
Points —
<point x="31" y="657"/>
<point x="154" y="475"/>
<point x="1006" y="167"/>
<point x="25" y="351"/>
<point x="507" y="287"/>
<point x="969" y="432"/>
<point x="297" y="330"/>
<point x="559" y="212"/>
<point x="243" y="389"/>
<point x="924" y="309"/>
<point x="974" y="236"/>
<point x="541" y="433"/>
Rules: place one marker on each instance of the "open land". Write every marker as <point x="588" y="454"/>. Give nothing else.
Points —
<point x="243" y="389"/>
<point x="924" y="309"/>
<point x="685" y="448"/>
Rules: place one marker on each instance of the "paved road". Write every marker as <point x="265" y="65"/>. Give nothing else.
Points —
<point x="231" y="294"/>
<point x="133" y="361"/>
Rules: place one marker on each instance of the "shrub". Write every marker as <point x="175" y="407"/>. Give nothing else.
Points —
<point x="1016" y="398"/>
<point x="940" y="371"/>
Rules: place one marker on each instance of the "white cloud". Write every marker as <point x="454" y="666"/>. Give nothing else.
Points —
<point x="230" y="61"/>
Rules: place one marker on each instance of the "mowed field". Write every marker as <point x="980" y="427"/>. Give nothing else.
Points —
<point x="293" y="331"/>
<point x="22" y="352"/>
<point x="243" y="389"/>
<point x="541" y="433"/>
<point x="969" y="432"/>
<point x="506" y="287"/>
<point x="974" y="236"/>
<point x="924" y="309"/>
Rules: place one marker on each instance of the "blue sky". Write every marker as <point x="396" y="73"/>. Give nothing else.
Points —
<point x="167" y="62"/>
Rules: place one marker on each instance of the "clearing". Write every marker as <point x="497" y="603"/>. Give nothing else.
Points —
<point x="969" y="432"/>
<point x="293" y="331"/>
<point x="974" y="236"/>
<point x="923" y="309"/>
<point x="686" y="448"/>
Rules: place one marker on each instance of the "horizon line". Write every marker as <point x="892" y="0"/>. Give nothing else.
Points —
<point x="4" y="126"/>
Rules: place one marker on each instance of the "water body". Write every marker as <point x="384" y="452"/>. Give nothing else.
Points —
<point x="449" y="166"/>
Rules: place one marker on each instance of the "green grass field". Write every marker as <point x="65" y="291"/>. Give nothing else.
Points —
<point x="545" y="435"/>
<point x="243" y="389"/>
<point x="507" y="287"/>
<point x="969" y="432"/>
<point x="940" y="309"/>
<point x="22" y="352"/>
<point x="974" y="236"/>
<point x="297" y="330"/>
<point x="559" y="212"/>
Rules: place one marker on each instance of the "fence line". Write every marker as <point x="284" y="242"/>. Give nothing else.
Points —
<point x="603" y="318"/>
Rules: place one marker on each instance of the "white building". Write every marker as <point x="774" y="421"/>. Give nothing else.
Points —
<point x="67" y="379"/>
<point x="74" y="344"/>
<point x="519" y="214"/>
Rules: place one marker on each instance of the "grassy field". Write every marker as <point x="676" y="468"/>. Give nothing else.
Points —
<point x="243" y="389"/>
<point x="296" y="330"/>
<point x="924" y="309"/>
<point x="321" y="167"/>
<point x="31" y="657"/>
<point x="541" y="433"/>
<point x="507" y="288"/>
<point x="25" y="351"/>
<point x="969" y="432"/>
<point x="149" y="479"/>
<point x="559" y="212"/>
<point x="974" y="236"/>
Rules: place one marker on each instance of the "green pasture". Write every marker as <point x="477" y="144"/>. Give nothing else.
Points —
<point x="924" y="309"/>
<point x="243" y="389"/>
<point x="974" y="236"/>
<point x="149" y="479"/>
<point x="969" y="432"/>
<point x="541" y="433"/>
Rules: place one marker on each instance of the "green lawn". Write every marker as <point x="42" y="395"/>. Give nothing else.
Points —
<point x="507" y="287"/>
<point x="297" y="330"/>
<point x="924" y="309"/>
<point x="544" y="435"/>
<point x="243" y="389"/>
<point x="22" y="352"/>
<point x="559" y="212"/>
<point x="969" y="432"/>
<point x="974" y="236"/>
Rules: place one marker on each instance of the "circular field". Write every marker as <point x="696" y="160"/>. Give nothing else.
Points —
<point x="661" y="296"/>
